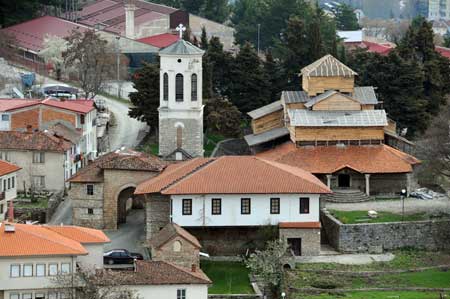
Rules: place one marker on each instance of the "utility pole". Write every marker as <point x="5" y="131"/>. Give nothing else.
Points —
<point x="118" y="66"/>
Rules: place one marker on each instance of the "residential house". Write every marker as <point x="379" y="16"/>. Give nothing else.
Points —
<point x="336" y="131"/>
<point x="44" y="158"/>
<point x="159" y="279"/>
<point x="102" y="192"/>
<point x="31" y="256"/>
<point x="225" y="201"/>
<point x="8" y="185"/>
<point x="72" y="119"/>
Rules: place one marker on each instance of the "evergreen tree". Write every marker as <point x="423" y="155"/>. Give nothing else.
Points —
<point x="346" y="18"/>
<point x="187" y="34"/>
<point x="216" y="10"/>
<point x="192" y="6"/>
<point x="447" y="40"/>
<point x="275" y="75"/>
<point x="315" y="45"/>
<point x="249" y="90"/>
<point x="220" y="64"/>
<point x="146" y="99"/>
<point x="204" y="39"/>
<point x="222" y="117"/>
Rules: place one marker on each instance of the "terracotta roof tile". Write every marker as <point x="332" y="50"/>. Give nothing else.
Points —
<point x="79" y="106"/>
<point x="126" y="160"/>
<point x="157" y="273"/>
<point x="234" y="175"/>
<point x="39" y="141"/>
<point x="305" y="225"/>
<point x="329" y="159"/>
<point x="12" y="104"/>
<point x="6" y="167"/>
<point x="169" y="232"/>
<point x="36" y="240"/>
<point x="80" y="234"/>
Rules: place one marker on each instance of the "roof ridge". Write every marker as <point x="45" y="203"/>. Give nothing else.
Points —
<point x="85" y="230"/>
<point x="186" y="270"/>
<point x="50" y="239"/>
<point x="201" y="166"/>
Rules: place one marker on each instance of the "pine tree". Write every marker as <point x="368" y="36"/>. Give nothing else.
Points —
<point x="220" y="63"/>
<point x="346" y="18"/>
<point x="315" y="49"/>
<point x="204" y="39"/>
<point x="249" y="90"/>
<point x="187" y="34"/>
<point x="146" y="99"/>
<point x="192" y="6"/>
<point x="216" y="10"/>
<point x="275" y="75"/>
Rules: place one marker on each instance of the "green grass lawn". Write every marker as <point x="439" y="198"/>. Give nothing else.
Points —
<point x="41" y="203"/>
<point x="227" y="277"/>
<point x="375" y="295"/>
<point x="352" y="217"/>
<point x="211" y="142"/>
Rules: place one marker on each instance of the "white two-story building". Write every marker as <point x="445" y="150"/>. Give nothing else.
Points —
<point x="8" y="186"/>
<point x="234" y="197"/>
<point x="32" y="256"/>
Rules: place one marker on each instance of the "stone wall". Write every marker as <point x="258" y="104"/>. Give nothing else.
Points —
<point x="157" y="209"/>
<point x="192" y="136"/>
<point x="81" y="203"/>
<point x="310" y="239"/>
<point x="186" y="256"/>
<point x="375" y="237"/>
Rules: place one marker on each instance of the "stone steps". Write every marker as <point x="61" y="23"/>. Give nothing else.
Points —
<point x="348" y="196"/>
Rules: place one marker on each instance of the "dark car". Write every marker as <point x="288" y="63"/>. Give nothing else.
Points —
<point x="121" y="256"/>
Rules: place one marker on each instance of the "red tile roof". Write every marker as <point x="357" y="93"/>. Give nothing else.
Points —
<point x="329" y="159"/>
<point x="160" y="40"/>
<point x="39" y="141"/>
<point x="79" y="106"/>
<point x="6" y="168"/>
<point x="157" y="273"/>
<point x="80" y="234"/>
<point x="36" y="240"/>
<point x="233" y="175"/>
<point x="443" y="51"/>
<point x="30" y="35"/>
<point x="304" y="225"/>
<point x="169" y="232"/>
<point x="377" y="48"/>
<point x="12" y="104"/>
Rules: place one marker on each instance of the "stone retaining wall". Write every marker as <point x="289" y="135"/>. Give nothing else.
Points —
<point x="376" y="237"/>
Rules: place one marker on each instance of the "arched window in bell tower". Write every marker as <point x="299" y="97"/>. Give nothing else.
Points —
<point x="166" y="87"/>
<point x="194" y="87"/>
<point x="179" y="88"/>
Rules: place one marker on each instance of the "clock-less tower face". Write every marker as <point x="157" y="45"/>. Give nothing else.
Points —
<point x="181" y="102"/>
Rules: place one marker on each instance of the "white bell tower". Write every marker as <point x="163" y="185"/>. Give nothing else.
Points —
<point x="181" y="102"/>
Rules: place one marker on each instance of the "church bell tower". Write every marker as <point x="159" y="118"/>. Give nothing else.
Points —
<point x="181" y="102"/>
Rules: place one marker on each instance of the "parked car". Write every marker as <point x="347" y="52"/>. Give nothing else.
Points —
<point x="121" y="256"/>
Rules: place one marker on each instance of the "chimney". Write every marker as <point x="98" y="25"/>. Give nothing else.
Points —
<point x="130" y="7"/>
<point x="11" y="211"/>
<point x="194" y="268"/>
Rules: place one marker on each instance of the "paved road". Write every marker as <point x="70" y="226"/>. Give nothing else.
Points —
<point x="130" y="235"/>
<point x="63" y="213"/>
<point x="412" y="205"/>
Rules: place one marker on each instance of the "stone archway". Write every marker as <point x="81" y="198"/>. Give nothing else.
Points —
<point x="124" y="203"/>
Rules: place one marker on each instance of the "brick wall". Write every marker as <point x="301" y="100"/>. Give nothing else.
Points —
<point x="374" y="237"/>
<point x="52" y="114"/>
<point x="186" y="257"/>
<point x="21" y="119"/>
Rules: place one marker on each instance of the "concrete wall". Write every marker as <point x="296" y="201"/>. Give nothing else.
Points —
<point x="177" y="251"/>
<point x="373" y="237"/>
<point x="81" y="202"/>
<point x="52" y="169"/>
<point x="94" y="260"/>
<point x="231" y="210"/>
<point x="170" y="291"/>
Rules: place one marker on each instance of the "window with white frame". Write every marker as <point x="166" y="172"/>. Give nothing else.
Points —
<point x="28" y="270"/>
<point x="27" y="296"/>
<point x="4" y="156"/>
<point x="5" y="117"/>
<point x="38" y="181"/>
<point x="181" y="294"/>
<point x="14" y="296"/>
<point x="13" y="182"/>
<point x="38" y="157"/>
<point x="40" y="270"/>
<point x="39" y="296"/>
<point x="52" y="295"/>
<point x="65" y="268"/>
<point x="52" y="269"/>
<point x="14" y="270"/>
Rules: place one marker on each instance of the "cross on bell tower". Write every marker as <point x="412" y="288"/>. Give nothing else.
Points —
<point x="181" y="29"/>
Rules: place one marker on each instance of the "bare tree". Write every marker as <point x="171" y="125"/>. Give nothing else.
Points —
<point x="53" y="49"/>
<point x="7" y="45"/>
<point x="93" y="284"/>
<point x="93" y="59"/>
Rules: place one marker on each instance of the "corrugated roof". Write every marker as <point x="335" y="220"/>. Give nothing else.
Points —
<point x="12" y="104"/>
<point x="354" y="36"/>
<point x="296" y="96"/>
<point x="79" y="106"/>
<point x="327" y="66"/>
<point x="324" y="96"/>
<point x="160" y="40"/>
<point x="181" y="47"/>
<point x="260" y="112"/>
<point x="255" y="139"/>
<point x="329" y="159"/>
<point x="238" y="175"/>
<point x="362" y="118"/>
<point x="366" y="95"/>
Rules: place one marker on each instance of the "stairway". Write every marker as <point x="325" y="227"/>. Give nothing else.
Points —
<point x="346" y="196"/>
